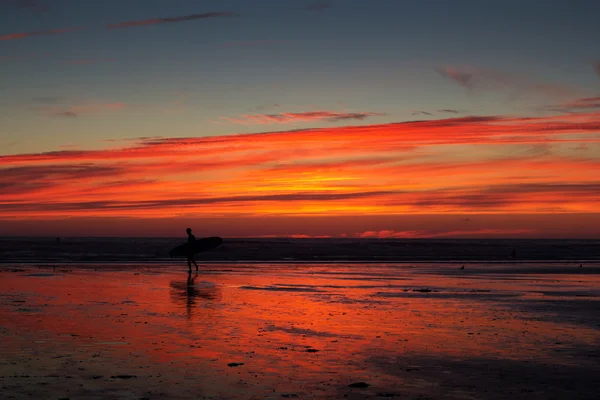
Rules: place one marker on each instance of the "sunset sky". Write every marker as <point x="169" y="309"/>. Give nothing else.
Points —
<point x="342" y="118"/>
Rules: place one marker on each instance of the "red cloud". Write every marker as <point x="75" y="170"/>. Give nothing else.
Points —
<point x="351" y="140"/>
<point x="287" y="118"/>
<point x="154" y="21"/>
<point x="456" y="165"/>
<point x="387" y="234"/>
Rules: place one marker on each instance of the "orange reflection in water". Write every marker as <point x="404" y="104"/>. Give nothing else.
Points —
<point x="296" y="329"/>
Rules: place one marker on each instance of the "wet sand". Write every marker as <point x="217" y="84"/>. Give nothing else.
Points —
<point x="262" y="331"/>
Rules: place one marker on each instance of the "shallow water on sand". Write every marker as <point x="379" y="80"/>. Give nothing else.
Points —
<point x="300" y="331"/>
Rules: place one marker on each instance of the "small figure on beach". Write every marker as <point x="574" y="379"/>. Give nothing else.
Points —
<point x="513" y="254"/>
<point x="190" y="255"/>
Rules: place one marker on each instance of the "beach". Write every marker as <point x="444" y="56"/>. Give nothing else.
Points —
<point x="286" y="330"/>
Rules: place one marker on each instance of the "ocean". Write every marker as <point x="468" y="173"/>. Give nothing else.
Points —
<point x="155" y="250"/>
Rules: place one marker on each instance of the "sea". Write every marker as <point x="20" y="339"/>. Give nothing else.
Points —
<point x="290" y="250"/>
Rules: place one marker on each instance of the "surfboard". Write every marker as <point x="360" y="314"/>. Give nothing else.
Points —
<point x="197" y="246"/>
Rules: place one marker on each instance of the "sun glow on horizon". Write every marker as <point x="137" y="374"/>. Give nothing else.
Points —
<point x="519" y="166"/>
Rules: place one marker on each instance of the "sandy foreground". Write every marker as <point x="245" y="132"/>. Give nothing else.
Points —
<point x="300" y="331"/>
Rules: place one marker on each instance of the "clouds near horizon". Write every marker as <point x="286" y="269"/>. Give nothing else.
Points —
<point x="392" y="234"/>
<point x="411" y="167"/>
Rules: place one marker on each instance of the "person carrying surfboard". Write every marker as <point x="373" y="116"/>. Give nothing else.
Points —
<point x="190" y="255"/>
<point x="193" y="246"/>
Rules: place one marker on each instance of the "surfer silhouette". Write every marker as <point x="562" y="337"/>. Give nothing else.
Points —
<point x="190" y="255"/>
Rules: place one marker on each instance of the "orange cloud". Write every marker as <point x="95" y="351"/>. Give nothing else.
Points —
<point x="456" y="165"/>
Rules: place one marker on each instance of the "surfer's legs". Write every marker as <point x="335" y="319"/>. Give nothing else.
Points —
<point x="191" y="259"/>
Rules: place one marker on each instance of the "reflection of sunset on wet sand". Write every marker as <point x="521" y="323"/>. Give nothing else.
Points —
<point x="307" y="331"/>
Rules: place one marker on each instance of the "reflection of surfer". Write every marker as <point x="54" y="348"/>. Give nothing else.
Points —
<point x="188" y="293"/>
<point x="190" y="255"/>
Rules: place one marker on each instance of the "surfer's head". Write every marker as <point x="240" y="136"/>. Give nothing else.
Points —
<point x="189" y="230"/>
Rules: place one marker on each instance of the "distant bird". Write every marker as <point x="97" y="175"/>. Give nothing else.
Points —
<point x="463" y="267"/>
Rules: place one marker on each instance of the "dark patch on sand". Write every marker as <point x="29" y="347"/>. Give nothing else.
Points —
<point x="570" y="293"/>
<point x="334" y="298"/>
<point x="576" y="311"/>
<point x="484" y="378"/>
<point x="27" y="310"/>
<point x="535" y="270"/>
<point x="235" y="364"/>
<point x="306" y="332"/>
<point x="359" y="385"/>
<point x="449" y="295"/>
<point x="281" y="289"/>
